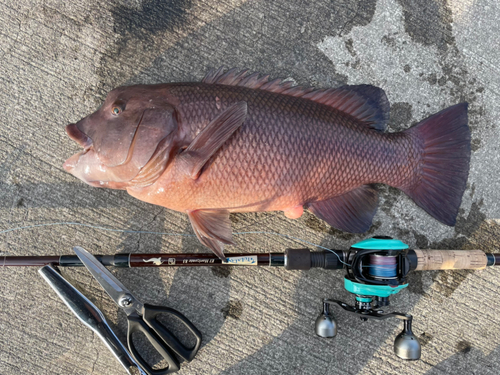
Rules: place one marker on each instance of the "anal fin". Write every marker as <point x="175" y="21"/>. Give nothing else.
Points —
<point x="351" y="212"/>
<point x="213" y="229"/>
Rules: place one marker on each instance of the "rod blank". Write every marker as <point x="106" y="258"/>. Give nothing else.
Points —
<point x="291" y="259"/>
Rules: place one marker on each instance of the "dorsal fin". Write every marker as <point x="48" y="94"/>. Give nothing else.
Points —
<point x="366" y="103"/>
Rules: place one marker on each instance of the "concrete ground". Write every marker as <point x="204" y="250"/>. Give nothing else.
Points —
<point x="59" y="58"/>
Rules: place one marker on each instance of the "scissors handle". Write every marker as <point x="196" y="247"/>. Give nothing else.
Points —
<point x="136" y="324"/>
<point x="150" y="317"/>
<point x="161" y="338"/>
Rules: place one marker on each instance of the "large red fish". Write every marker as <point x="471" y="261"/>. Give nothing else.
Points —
<point x="239" y="142"/>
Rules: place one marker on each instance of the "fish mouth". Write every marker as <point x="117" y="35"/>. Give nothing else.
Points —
<point x="88" y="166"/>
<point x="78" y="136"/>
<point x="82" y="139"/>
<point x="73" y="131"/>
<point x="96" y="166"/>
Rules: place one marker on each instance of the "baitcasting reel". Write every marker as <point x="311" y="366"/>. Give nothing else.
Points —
<point x="377" y="268"/>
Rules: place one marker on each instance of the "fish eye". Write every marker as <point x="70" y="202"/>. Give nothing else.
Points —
<point x="118" y="107"/>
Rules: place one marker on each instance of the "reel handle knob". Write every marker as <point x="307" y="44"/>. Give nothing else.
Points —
<point x="406" y="344"/>
<point x="326" y="325"/>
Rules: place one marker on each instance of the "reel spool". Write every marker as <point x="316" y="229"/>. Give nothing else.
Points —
<point x="378" y="269"/>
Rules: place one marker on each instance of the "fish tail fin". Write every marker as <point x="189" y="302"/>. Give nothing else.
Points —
<point x="444" y="164"/>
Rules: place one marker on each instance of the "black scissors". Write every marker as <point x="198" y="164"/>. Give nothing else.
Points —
<point x="143" y="318"/>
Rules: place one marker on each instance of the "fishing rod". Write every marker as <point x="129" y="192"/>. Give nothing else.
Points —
<point x="376" y="269"/>
<point x="291" y="259"/>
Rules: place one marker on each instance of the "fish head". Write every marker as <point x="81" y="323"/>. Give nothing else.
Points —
<point x="126" y="133"/>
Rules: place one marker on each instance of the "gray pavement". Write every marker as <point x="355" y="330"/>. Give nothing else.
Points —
<point x="57" y="61"/>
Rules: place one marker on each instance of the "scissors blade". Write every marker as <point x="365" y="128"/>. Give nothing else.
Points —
<point x="115" y="289"/>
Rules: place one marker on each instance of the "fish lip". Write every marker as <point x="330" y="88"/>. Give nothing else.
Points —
<point x="68" y="167"/>
<point x="78" y="136"/>
<point x="83" y="140"/>
<point x="71" y="163"/>
<point x="73" y="160"/>
<point x="108" y="184"/>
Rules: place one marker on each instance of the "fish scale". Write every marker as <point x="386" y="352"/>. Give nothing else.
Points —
<point x="238" y="142"/>
<point x="274" y="154"/>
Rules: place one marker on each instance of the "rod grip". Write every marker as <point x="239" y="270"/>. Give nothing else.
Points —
<point x="298" y="259"/>
<point x="305" y="259"/>
<point x="450" y="260"/>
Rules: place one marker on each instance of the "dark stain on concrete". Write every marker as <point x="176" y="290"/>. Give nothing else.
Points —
<point x="356" y="64"/>
<point x="425" y="338"/>
<point x="446" y="282"/>
<point x="475" y="144"/>
<point x="374" y="227"/>
<point x="464" y="229"/>
<point x="487" y="237"/>
<point x="429" y="22"/>
<point x="390" y="195"/>
<point x="217" y="43"/>
<point x="442" y="81"/>
<point x="476" y="113"/>
<point x="468" y="225"/>
<point x="359" y="13"/>
<point x="472" y="189"/>
<point x="454" y="243"/>
<point x="222" y="271"/>
<point x="421" y="241"/>
<point x="312" y="222"/>
<point x="407" y="68"/>
<point x="464" y="347"/>
<point x="461" y="87"/>
<point x="401" y="116"/>
<point x="20" y="203"/>
<point x="346" y="236"/>
<point x="151" y="17"/>
<point x="337" y="233"/>
<point x="389" y="40"/>
<point x="415" y="283"/>
<point x="233" y="309"/>
<point x="350" y="47"/>
<point x="138" y="27"/>
<point x="56" y="17"/>
<point x="318" y="225"/>
<point x="403" y="232"/>
<point x="432" y="78"/>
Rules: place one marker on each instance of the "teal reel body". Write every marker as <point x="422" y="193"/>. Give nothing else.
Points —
<point x="371" y="290"/>
<point x="380" y="243"/>
<point x="377" y="270"/>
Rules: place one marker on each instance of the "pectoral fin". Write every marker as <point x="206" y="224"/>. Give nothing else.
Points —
<point x="351" y="212"/>
<point x="218" y="131"/>
<point x="213" y="229"/>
